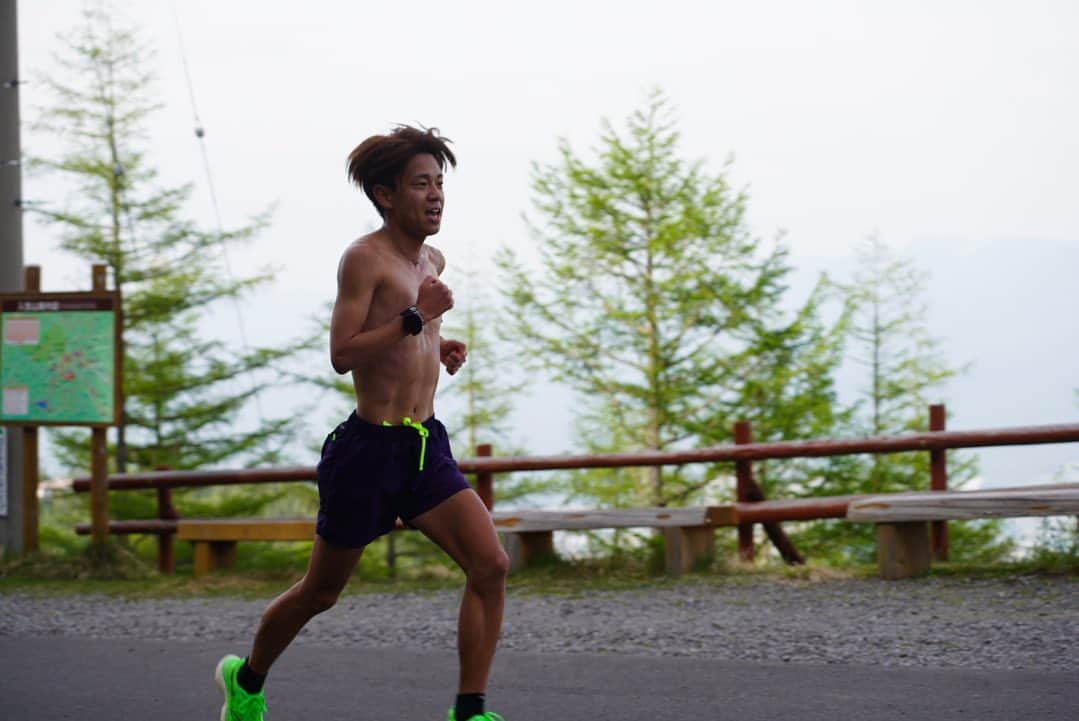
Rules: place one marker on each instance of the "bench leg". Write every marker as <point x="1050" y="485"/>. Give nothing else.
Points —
<point x="688" y="548"/>
<point x="524" y="547"/>
<point x="213" y="554"/>
<point x="903" y="549"/>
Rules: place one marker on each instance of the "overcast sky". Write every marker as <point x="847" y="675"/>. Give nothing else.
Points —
<point x="949" y="128"/>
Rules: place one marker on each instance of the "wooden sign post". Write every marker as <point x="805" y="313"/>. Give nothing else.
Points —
<point x="32" y="283"/>
<point x="99" y="448"/>
<point x="60" y="364"/>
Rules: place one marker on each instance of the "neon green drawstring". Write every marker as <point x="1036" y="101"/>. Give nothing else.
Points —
<point x="419" y="428"/>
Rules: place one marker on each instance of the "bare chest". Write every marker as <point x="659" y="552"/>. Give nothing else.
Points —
<point x="397" y="290"/>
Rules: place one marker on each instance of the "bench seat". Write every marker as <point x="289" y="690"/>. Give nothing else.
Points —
<point x="526" y="534"/>
<point x="903" y="518"/>
<point x="689" y="533"/>
<point x="214" y="541"/>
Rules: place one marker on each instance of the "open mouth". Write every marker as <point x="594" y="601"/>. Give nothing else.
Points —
<point x="434" y="213"/>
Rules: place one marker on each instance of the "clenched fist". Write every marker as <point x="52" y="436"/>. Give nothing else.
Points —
<point x="453" y="354"/>
<point x="435" y="298"/>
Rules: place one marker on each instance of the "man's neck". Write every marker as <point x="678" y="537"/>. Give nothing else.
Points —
<point x="408" y="246"/>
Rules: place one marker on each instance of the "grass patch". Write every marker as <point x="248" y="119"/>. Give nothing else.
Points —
<point x="1034" y="566"/>
<point x="264" y="570"/>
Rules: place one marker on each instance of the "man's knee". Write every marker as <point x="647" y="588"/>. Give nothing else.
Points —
<point x="490" y="570"/>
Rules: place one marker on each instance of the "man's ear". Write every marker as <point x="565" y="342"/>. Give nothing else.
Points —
<point x="384" y="197"/>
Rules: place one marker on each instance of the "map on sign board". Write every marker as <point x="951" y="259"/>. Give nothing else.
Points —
<point x="58" y="355"/>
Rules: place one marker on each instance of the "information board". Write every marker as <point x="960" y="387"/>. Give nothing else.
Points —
<point x="60" y="359"/>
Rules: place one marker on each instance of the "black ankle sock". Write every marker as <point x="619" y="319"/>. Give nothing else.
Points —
<point x="249" y="680"/>
<point x="467" y="706"/>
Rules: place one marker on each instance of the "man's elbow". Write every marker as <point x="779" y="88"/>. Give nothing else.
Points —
<point x="340" y="363"/>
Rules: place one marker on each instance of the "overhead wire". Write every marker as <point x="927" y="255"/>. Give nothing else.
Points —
<point x="200" y="134"/>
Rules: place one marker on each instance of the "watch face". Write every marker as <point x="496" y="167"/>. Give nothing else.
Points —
<point x="412" y="321"/>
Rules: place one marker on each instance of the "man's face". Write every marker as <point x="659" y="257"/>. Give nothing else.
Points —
<point x="418" y="199"/>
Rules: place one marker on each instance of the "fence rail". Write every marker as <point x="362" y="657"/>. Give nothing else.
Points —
<point x="928" y="441"/>
<point x="751" y="505"/>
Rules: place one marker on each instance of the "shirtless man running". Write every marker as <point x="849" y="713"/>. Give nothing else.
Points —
<point x="391" y="458"/>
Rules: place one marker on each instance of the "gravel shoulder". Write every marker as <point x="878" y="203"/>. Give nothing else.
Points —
<point x="1020" y="622"/>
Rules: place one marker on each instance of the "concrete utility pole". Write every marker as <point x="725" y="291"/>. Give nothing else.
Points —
<point x="11" y="258"/>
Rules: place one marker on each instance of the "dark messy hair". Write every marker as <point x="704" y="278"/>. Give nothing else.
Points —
<point x="381" y="159"/>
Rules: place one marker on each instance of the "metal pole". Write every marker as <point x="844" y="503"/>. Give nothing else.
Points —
<point x="11" y="255"/>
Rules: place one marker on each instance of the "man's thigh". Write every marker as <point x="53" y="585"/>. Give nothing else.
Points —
<point x="461" y="525"/>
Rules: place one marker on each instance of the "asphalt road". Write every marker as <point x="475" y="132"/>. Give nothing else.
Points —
<point x="49" y="679"/>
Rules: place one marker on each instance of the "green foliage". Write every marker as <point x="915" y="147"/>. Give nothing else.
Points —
<point x="787" y="392"/>
<point x="658" y="306"/>
<point x="892" y="341"/>
<point x="834" y="541"/>
<point x="979" y="542"/>
<point x="1056" y="548"/>
<point x="904" y="369"/>
<point x="183" y="392"/>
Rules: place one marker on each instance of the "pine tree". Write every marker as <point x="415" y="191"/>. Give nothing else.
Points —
<point x="657" y="304"/>
<point x="905" y="371"/>
<point x="183" y="392"/>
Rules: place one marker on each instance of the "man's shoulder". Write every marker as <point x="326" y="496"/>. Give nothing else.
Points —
<point x="362" y="258"/>
<point x="365" y="249"/>
<point x="436" y="257"/>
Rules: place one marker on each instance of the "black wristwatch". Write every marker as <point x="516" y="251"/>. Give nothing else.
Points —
<point x="411" y="320"/>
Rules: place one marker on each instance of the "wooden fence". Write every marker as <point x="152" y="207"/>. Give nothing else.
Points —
<point x="751" y="503"/>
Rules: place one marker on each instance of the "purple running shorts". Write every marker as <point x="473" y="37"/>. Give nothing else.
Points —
<point x="370" y="475"/>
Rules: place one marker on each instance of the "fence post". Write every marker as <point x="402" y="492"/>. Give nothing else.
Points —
<point x="30" y="469"/>
<point x="166" y="559"/>
<point x="743" y="474"/>
<point x="99" y="455"/>
<point x="485" y="483"/>
<point x="30" y="472"/>
<point x="938" y="481"/>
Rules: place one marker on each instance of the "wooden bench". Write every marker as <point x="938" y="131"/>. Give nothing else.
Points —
<point x="689" y="533"/>
<point x="214" y="541"/>
<point x="903" y="518"/>
<point x="526" y="535"/>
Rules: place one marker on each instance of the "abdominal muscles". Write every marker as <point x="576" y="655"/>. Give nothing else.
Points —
<point x="401" y="381"/>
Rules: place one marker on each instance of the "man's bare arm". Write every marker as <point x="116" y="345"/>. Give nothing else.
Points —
<point x="357" y="278"/>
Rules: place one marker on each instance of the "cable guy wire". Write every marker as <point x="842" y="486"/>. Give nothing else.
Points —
<point x="200" y="133"/>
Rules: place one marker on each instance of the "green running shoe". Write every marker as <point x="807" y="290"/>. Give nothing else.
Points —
<point x="239" y="704"/>
<point x="489" y="716"/>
